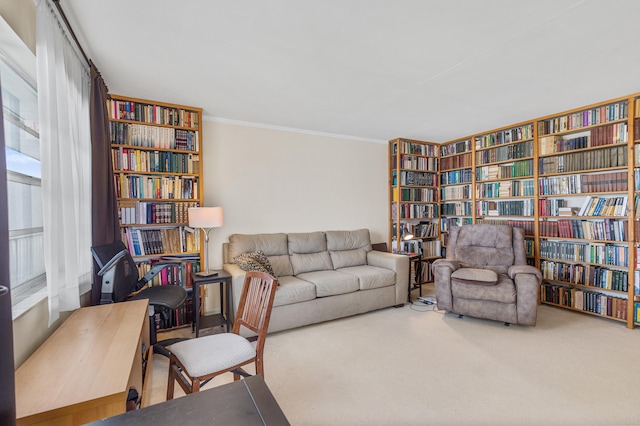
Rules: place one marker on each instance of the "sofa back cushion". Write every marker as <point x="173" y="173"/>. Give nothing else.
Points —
<point x="348" y="248"/>
<point x="308" y="252"/>
<point x="274" y="246"/>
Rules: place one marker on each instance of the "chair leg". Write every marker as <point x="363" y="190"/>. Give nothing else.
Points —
<point x="171" y="382"/>
<point x="195" y="385"/>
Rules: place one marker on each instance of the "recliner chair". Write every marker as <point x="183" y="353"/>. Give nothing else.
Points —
<point x="120" y="282"/>
<point x="485" y="275"/>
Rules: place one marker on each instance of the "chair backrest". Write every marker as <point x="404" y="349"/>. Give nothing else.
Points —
<point x="125" y="276"/>
<point x="485" y="245"/>
<point x="256" y="301"/>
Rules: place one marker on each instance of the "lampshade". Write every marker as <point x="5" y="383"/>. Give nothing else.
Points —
<point x="205" y="217"/>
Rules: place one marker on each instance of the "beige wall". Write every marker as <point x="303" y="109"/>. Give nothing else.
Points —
<point x="280" y="181"/>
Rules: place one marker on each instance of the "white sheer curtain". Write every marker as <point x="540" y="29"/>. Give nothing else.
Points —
<point x="65" y="141"/>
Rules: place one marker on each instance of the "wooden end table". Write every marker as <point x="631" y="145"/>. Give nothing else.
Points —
<point x="223" y="279"/>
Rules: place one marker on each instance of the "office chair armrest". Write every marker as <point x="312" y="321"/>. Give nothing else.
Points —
<point x="112" y="262"/>
<point x="155" y="270"/>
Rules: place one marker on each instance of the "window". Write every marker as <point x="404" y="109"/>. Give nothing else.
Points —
<point x="22" y="146"/>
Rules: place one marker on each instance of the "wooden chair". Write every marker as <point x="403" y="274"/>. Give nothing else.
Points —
<point x="196" y="361"/>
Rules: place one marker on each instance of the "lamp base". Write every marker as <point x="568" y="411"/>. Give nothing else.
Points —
<point x="206" y="274"/>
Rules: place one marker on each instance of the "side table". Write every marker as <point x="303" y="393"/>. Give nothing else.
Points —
<point x="223" y="279"/>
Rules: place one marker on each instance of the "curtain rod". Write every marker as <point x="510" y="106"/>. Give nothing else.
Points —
<point x="73" y="35"/>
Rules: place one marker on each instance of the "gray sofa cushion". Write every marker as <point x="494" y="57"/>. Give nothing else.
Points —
<point x="348" y="248"/>
<point x="293" y="290"/>
<point x="330" y="283"/>
<point x="274" y="246"/>
<point x="308" y="252"/>
<point x="371" y="276"/>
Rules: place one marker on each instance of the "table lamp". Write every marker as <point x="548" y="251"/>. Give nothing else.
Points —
<point x="206" y="218"/>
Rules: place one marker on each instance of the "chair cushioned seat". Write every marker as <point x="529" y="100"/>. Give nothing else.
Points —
<point x="209" y="354"/>
<point x="503" y="291"/>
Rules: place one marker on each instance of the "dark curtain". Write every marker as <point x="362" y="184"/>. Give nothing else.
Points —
<point x="106" y="228"/>
<point x="7" y="381"/>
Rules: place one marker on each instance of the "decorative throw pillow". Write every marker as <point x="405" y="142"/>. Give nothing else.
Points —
<point x="254" y="261"/>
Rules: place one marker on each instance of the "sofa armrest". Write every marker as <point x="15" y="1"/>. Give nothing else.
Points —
<point x="515" y="270"/>
<point x="399" y="264"/>
<point x="237" y="282"/>
<point x="442" y="270"/>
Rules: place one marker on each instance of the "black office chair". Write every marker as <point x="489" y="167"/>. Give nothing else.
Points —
<point x="120" y="282"/>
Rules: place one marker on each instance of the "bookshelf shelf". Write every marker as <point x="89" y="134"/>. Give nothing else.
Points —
<point x="156" y="149"/>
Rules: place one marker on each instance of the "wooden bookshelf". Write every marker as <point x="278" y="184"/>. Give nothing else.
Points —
<point x="571" y="180"/>
<point x="413" y="197"/>
<point x="156" y="152"/>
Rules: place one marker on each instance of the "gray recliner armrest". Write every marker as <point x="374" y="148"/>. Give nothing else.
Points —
<point x="446" y="263"/>
<point x="524" y="269"/>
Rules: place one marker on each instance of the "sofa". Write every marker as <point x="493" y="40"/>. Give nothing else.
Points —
<point x="485" y="275"/>
<point x="322" y="275"/>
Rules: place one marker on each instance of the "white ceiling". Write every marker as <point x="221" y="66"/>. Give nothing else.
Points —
<point x="373" y="69"/>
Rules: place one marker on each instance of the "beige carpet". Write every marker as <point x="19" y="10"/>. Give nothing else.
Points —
<point x="412" y="366"/>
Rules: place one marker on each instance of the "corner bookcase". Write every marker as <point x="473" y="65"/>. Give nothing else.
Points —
<point x="156" y="149"/>
<point x="571" y="180"/>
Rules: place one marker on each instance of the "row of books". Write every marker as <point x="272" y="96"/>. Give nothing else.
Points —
<point x="505" y="189"/>
<point x="430" y="248"/>
<point x="446" y="223"/>
<point x="413" y="211"/>
<point x="587" y="275"/>
<point x="522" y="168"/>
<point x="423" y="229"/>
<point x="604" y="206"/>
<point x="550" y="207"/>
<point x="157" y="187"/>
<point x="416" y="178"/>
<point x="585" y="118"/>
<point x="636" y="312"/>
<point x="598" y="136"/>
<point x="606" y="230"/>
<point x="584" y="160"/>
<point x="131" y="159"/>
<point x="149" y="212"/>
<point x="457" y="208"/>
<point x="504" y="153"/>
<point x="146" y="136"/>
<point x="148" y="113"/>
<point x="427" y="195"/>
<point x="589" y="301"/>
<point x="505" y="136"/>
<point x="178" y="272"/>
<point x="455" y="192"/>
<point x="456" y="176"/>
<point x="414" y="162"/>
<point x="456" y="162"/>
<point x="407" y="147"/>
<point x="527" y="225"/>
<point x="583" y="184"/>
<point x="162" y="241"/>
<point x="636" y="178"/>
<point x="598" y="253"/>
<point x="505" y="208"/>
<point x="455" y="148"/>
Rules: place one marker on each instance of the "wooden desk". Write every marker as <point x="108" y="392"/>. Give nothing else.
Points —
<point x="243" y="403"/>
<point x="83" y="372"/>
